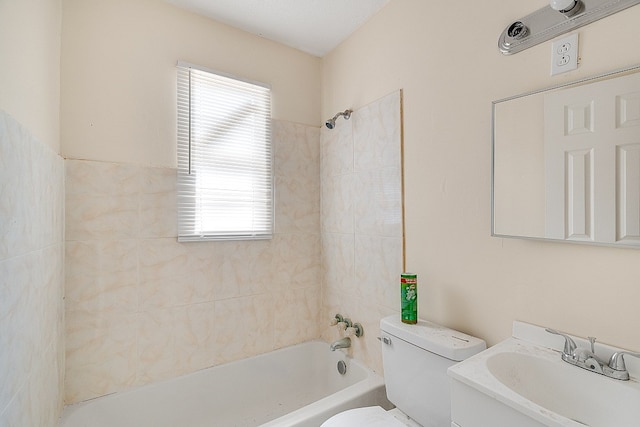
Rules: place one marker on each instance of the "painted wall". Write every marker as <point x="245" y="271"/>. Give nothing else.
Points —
<point x="31" y="215"/>
<point x="119" y="77"/>
<point x="30" y="66"/>
<point x="446" y="61"/>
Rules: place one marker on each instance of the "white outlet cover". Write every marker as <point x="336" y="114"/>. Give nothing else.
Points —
<point x="564" y="54"/>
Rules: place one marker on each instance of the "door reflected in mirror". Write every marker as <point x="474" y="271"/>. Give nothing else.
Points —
<point x="566" y="162"/>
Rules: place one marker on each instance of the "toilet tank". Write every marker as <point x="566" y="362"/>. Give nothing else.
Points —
<point x="415" y="360"/>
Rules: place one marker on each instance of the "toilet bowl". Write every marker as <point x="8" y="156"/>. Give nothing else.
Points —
<point x="415" y="360"/>
<point x="371" y="416"/>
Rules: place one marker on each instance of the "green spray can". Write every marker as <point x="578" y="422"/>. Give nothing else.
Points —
<point x="409" y="297"/>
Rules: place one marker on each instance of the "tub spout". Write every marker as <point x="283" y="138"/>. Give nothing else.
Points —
<point x="343" y="343"/>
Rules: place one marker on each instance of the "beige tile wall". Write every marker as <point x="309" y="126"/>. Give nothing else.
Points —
<point x="31" y="278"/>
<point x="361" y="181"/>
<point x="141" y="307"/>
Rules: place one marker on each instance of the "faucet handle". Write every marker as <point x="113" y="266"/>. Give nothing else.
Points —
<point x="592" y="340"/>
<point x="616" y="361"/>
<point x="355" y="330"/>
<point x="569" y="343"/>
<point x="337" y="319"/>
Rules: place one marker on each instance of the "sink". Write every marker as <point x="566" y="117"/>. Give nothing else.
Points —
<point x="522" y="381"/>
<point x="574" y="393"/>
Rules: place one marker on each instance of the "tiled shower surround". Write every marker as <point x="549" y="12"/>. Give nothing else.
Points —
<point x="141" y="307"/>
<point x="361" y="221"/>
<point x="31" y="278"/>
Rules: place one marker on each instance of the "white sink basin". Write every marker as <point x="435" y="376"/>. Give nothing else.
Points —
<point x="523" y="382"/>
<point x="574" y="393"/>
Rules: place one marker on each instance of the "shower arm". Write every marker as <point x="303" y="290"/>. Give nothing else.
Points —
<point x="346" y="114"/>
<point x="331" y="123"/>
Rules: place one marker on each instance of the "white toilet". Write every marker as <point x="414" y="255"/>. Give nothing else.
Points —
<point x="415" y="360"/>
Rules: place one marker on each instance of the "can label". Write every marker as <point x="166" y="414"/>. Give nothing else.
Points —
<point x="409" y="297"/>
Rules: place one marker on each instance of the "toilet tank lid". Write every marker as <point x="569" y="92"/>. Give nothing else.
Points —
<point x="437" y="339"/>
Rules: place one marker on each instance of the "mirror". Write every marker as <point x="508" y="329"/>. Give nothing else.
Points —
<point x="566" y="162"/>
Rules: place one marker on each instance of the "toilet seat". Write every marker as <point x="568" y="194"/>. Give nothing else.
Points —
<point x="372" y="416"/>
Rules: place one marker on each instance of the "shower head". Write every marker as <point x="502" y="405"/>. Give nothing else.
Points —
<point x="331" y="123"/>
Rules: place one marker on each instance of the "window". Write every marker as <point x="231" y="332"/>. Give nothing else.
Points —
<point x="224" y="157"/>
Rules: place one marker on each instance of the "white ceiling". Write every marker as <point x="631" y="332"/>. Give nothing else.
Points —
<point x="313" y="26"/>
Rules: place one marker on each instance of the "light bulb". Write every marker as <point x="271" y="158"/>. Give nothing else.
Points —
<point x="562" y="5"/>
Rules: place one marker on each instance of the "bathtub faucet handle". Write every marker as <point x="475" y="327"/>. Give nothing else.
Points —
<point x="344" y="324"/>
<point x="356" y="330"/>
<point x="336" y="319"/>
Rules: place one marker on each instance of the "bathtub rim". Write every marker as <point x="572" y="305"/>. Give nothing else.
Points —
<point x="372" y="382"/>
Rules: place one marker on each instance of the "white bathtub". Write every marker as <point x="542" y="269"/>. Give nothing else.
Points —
<point x="296" y="386"/>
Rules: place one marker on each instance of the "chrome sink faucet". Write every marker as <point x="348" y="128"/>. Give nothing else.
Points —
<point x="587" y="359"/>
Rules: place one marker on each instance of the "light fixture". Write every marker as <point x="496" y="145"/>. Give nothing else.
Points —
<point x="567" y="7"/>
<point x="560" y="17"/>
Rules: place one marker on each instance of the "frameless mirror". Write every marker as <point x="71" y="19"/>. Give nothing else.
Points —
<point x="566" y="162"/>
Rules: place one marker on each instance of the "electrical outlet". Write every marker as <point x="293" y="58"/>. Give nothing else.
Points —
<point x="564" y="54"/>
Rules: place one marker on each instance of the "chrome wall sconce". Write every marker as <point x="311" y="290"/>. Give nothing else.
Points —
<point x="561" y="16"/>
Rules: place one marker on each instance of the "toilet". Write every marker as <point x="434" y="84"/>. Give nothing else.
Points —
<point x="415" y="360"/>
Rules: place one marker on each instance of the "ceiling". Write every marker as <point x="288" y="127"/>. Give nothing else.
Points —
<point x="313" y="26"/>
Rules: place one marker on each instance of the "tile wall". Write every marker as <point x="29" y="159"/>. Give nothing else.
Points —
<point x="141" y="307"/>
<point x="361" y="220"/>
<point x="31" y="278"/>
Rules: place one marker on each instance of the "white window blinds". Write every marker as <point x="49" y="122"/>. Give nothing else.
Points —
<point x="224" y="157"/>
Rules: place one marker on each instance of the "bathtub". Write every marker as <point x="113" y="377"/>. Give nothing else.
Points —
<point x="296" y="386"/>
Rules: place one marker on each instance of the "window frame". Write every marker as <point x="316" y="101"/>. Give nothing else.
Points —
<point x="189" y="194"/>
